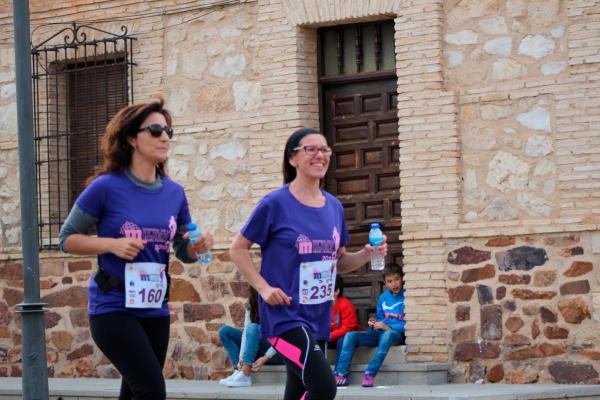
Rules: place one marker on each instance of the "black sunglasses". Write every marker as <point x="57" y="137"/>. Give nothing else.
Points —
<point x="156" y="130"/>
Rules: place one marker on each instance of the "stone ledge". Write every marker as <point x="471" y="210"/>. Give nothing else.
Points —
<point x="482" y="230"/>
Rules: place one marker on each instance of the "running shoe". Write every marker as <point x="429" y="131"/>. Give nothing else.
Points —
<point x="368" y="380"/>
<point x="341" y="380"/>
<point x="225" y="380"/>
<point x="240" y="380"/>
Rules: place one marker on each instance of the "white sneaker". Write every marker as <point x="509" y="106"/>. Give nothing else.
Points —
<point x="239" y="380"/>
<point x="225" y="380"/>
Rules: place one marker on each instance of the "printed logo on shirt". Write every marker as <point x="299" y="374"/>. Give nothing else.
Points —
<point x="394" y="315"/>
<point x="160" y="237"/>
<point x="386" y="307"/>
<point x="306" y="245"/>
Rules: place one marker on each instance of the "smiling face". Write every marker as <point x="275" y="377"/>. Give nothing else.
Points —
<point x="148" y="147"/>
<point x="311" y="166"/>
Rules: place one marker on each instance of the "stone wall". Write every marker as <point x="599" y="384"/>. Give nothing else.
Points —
<point x="524" y="309"/>
<point x="204" y="61"/>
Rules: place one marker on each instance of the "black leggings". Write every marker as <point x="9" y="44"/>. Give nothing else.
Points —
<point x="309" y="376"/>
<point x="137" y="347"/>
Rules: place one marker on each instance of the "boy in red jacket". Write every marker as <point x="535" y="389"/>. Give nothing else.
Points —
<point x="343" y="317"/>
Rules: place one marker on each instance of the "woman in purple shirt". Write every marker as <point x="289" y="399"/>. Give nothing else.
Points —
<point x="302" y="234"/>
<point x="138" y="211"/>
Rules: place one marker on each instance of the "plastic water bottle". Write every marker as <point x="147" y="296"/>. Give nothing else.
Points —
<point x="195" y="234"/>
<point x="375" y="240"/>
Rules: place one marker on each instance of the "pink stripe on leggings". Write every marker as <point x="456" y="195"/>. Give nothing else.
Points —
<point x="304" y="395"/>
<point x="287" y="349"/>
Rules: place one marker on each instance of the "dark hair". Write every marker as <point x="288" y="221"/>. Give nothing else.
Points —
<point x="339" y="284"/>
<point x="289" y="172"/>
<point x="125" y="124"/>
<point x="253" y="304"/>
<point x="392" y="269"/>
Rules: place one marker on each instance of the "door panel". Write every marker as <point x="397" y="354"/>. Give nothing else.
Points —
<point x="361" y="125"/>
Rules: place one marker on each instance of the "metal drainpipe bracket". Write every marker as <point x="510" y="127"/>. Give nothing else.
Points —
<point x="23" y="308"/>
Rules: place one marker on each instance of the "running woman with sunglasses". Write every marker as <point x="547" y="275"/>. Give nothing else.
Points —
<point x="138" y="211"/>
<point x="302" y="234"/>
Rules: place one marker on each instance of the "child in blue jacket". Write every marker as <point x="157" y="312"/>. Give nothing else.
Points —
<point x="386" y="331"/>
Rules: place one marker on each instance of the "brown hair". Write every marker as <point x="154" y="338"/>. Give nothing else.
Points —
<point x="392" y="269"/>
<point x="126" y="123"/>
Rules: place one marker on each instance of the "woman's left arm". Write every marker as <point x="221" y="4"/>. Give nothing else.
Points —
<point x="350" y="261"/>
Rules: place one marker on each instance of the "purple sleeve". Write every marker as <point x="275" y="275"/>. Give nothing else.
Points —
<point x="92" y="199"/>
<point x="345" y="236"/>
<point x="184" y="218"/>
<point x="258" y="227"/>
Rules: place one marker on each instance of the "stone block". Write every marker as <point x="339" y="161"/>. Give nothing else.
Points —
<point x="237" y="311"/>
<point x="566" y="372"/>
<point x="202" y="312"/>
<point x="500" y="241"/>
<point x="470" y="350"/>
<point x="516" y="340"/>
<point x="576" y="287"/>
<point x="574" y="310"/>
<point x="514" y="279"/>
<point x="83" y="265"/>
<point x="521" y="258"/>
<point x="495" y="374"/>
<point x="83" y="351"/>
<point x="500" y="292"/>
<point x="514" y="323"/>
<point x="462" y="313"/>
<point x="526" y="294"/>
<point x="468" y="255"/>
<point x="460" y="293"/>
<point x="578" y="268"/>
<point x="485" y="294"/>
<point x="183" y="290"/>
<point x="556" y="332"/>
<point x="491" y="322"/>
<point x="477" y="274"/>
<point x="73" y="297"/>
<point x="536" y="351"/>
<point x="547" y="315"/>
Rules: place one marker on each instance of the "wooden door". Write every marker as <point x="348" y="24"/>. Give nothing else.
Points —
<point x="361" y="125"/>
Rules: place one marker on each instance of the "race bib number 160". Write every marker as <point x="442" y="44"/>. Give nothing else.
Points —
<point x="145" y="285"/>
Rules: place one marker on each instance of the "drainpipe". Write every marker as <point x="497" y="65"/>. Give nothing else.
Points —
<point x="33" y="350"/>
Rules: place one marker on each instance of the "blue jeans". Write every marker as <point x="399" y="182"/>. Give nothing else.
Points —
<point x="255" y="346"/>
<point x="374" y="337"/>
<point x="337" y="345"/>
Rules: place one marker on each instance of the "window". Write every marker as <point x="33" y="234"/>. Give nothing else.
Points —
<point x="355" y="49"/>
<point x="78" y="86"/>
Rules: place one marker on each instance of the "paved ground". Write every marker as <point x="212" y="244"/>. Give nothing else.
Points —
<point x="99" y="389"/>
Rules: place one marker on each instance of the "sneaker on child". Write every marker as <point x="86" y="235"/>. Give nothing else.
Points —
<point x="239" y="380"/>
<point x="368" y="380"/>
<point x="225" y="380"/>
<point x="341" y="380"/>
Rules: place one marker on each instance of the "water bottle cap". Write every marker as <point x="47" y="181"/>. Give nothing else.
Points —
<point x="374" y="225"/>
<point x="191" y="227"/>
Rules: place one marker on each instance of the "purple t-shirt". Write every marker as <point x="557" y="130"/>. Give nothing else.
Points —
<point x="289" y="233"/>
<point x="124" y="209"/>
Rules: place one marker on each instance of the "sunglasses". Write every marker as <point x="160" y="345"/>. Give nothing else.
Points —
<point x="156" y="130"/>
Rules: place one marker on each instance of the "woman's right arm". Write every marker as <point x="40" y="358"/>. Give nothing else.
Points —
<point x="240" y="255"/>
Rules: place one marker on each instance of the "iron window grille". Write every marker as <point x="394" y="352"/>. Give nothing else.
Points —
<point x="78" y="86"/>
